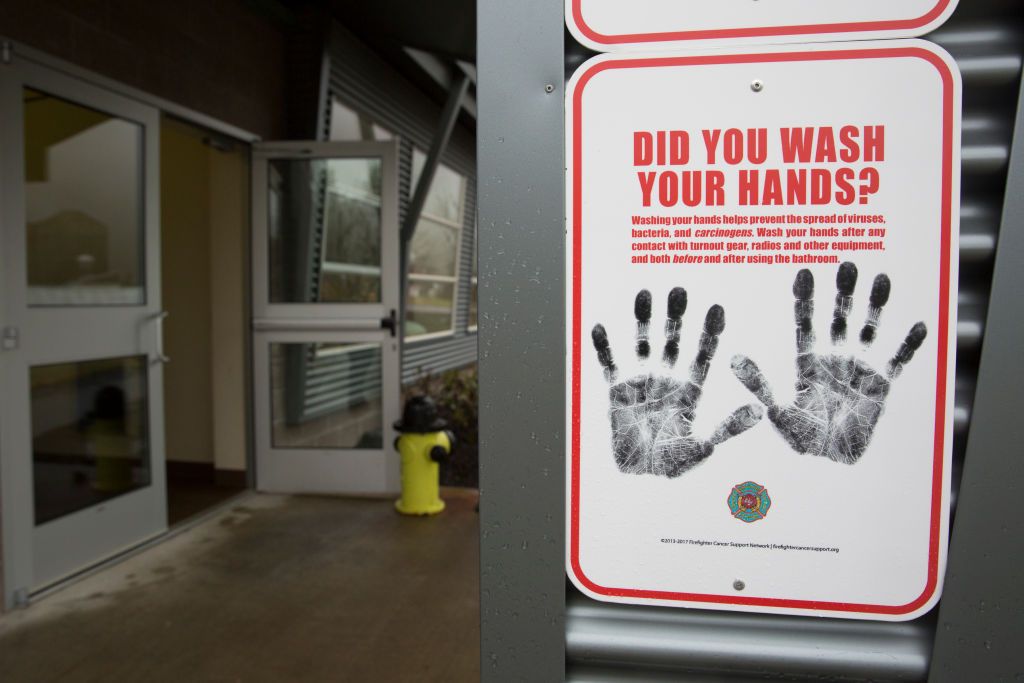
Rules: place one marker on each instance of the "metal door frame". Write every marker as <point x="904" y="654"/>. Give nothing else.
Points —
<point x="325" y="470"/>
<point x="69" y="334"/>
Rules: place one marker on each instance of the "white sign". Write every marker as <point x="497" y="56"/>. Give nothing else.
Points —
<point x="613" y="25"/>
<point x="762" y="269"/>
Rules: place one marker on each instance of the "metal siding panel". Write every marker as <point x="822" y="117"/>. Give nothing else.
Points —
<point x="588" y="674"/>
<point x="736" y="643"/>
<point x="610" y="642"/>
<point x="437" y="356"/>
<point x="363" y="80"/>
<point x="980" y="612"/>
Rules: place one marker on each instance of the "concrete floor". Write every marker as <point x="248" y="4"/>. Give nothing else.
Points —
<point x="274" y="588"/>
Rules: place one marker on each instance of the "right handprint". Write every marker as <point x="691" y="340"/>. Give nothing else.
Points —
<point x="839" y="398"/>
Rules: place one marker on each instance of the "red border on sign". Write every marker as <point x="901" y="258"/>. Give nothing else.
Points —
<point x="755" y="32"/>
<point x="943" y="332"/>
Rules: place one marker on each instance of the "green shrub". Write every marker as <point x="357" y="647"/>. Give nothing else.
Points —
<point x="455" y="393"/>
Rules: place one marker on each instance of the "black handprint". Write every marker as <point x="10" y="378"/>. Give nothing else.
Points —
<point x="652" y="416"/>
<point x="839" y="398"/>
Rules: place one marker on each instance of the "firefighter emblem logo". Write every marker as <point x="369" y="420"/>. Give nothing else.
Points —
<point x="749" y="502"/>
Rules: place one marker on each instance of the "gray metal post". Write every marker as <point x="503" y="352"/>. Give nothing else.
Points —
<point x="522" y="349"/>
<point x="981" y="616"/>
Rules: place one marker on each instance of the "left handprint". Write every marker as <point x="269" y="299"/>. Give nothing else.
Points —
<point x="652" y="415"/>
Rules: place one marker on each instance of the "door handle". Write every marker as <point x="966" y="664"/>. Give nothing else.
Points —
<point x="390" y="323"/>
<point x="161" y="357"/>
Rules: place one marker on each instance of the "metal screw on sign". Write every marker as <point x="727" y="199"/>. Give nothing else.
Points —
<point x="757" y="85"/>
<point x="549" y="88"/>
<point x="738" y="585"/>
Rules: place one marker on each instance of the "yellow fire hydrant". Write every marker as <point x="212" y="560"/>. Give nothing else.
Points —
<point x="424" y="444"/>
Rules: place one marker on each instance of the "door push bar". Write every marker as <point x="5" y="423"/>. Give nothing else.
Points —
<point x="389" y="323"/>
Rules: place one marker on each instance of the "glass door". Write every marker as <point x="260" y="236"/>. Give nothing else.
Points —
<point x="325" y="290"/>
<point x="81" y="419"/>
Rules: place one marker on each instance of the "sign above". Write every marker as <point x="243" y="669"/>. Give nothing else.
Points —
<point x="613" y="25"/>
<point x="761" y="327"/>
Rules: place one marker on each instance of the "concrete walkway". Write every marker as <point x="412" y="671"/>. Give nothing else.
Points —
<point x="274" y="588"/>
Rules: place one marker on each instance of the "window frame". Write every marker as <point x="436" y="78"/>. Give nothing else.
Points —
<point x="368" y="126"/>
<point x="474" y="282"/>
<point x="459" y="226"/>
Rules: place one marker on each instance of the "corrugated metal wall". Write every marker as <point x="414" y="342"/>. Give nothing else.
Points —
<point x="607" y="642"/>
<point x="362" y="80"/>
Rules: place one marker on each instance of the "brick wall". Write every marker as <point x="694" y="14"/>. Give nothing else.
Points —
<point x="219" y="57"/>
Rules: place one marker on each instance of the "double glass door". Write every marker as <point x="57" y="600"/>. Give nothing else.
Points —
<point x="81" y="426"/>
<point x="325" y="300"/>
